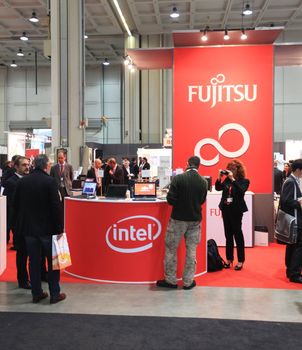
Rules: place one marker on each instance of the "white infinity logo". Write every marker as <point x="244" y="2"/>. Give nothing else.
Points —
<point x="220" y="149"/>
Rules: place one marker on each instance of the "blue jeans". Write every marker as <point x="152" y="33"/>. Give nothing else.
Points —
<point x="35" y="246"/>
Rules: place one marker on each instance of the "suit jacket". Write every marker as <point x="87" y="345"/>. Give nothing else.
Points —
<point x="37" y="206"/>
<point x="116" y="178"/>
<point x="91" y="175"/>
<point x="67" y="176"/>
<point x="9" y="192"/>
<point x="288" y="201"/>
<point x="146" y="166"/>
<point x="278" y="180"/>
<point x="235" y="189"/>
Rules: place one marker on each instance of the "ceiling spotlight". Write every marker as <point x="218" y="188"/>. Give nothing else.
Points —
<point x="243" y="35"/>
<point x="106" y="62"/>
<point x="174" y="13"/>
<point x="126" y="60"/>
<point x="20" y="53"/>
<point x="34" y="18"/>
<point x="23" y="37"/>
<point x="13" y="64"/>
<point x="204" y="36"/>
<point x="226" y="35"/>
<point x="132" y="70"/>
<point x="247" y="10"/>
<point x="85" y="36"/>
<point x="130" y="65"/>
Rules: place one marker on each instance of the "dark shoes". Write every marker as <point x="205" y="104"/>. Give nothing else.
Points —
<point x="40" y="297"/>
<point x="57" y="299"/>
<point x="192" y="285"/>
<point x="25" y="285"/>
<point x="296" y="279"/>
<point x="165" y="284"/>
<point x="227" y="265"/>
<point x="238" y="267"/>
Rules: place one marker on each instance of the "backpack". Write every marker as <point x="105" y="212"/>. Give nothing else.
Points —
<point x="215" y="261"/>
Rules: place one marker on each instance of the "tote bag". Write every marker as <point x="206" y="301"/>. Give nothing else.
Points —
<point x="60" y="252"/>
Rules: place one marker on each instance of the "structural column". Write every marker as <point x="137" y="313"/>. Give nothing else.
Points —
<point x="3" y="121"/>
<point x="67" y="76"/>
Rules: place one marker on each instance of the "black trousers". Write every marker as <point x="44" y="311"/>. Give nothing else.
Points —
<point x="21" y="260"/>
<point x="232" y="221"/>
<point x="293" y="257"/>
<point x="35" y="246"/>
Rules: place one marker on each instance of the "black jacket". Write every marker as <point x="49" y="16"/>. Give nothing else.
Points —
<point x="187" y="193"/>
<point x="9" y="191"/>
<point x="37" y="206"/>
<point x="235" y="189"/>
<point x="288" y="201"/>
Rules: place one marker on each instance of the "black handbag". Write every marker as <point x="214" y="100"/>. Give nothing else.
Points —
<point x="286" y="229"/>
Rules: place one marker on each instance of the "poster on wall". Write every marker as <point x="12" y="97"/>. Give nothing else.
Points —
<point x="15" y="144"/>
<point x="223" y="109"/>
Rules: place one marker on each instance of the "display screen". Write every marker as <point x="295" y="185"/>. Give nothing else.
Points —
<point x="89" y="188"/>
<point x="145" y="189"/>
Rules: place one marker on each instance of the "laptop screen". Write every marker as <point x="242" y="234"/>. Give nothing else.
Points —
<point x="89" y="188"/>
<point x="145" y="189"/>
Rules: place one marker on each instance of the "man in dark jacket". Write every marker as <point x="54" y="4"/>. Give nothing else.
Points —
<point x="37" y="213"/>
<point x="290" y="203"/>
<point x="21" y="166"/>
<point x="187" y="193"/>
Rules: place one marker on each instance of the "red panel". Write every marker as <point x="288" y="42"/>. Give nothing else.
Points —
<point x="152" y="58"/>
<point x="231" y="88"/>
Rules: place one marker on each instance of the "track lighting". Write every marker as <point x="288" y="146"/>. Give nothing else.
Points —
<point x="20" y="53"/>
<point x="247" y="10"/>
<point x="106" y="62"/>
<point x="34" y="18"/>
<point x="243" y="35"/>
<point x="174" y="13"/>
<point x="85" y="36"/>
<point x="13" y="64"/>
<point x="226" y="35"/>
<point x="23" y="37"/>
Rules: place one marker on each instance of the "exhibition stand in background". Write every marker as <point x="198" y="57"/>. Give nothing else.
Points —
<point x="121" y="241"/>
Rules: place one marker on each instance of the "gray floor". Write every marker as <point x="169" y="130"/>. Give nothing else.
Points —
<point x="202" y="302"/>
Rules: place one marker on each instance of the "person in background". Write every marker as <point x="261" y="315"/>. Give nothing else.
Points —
<point x="233" y="184"/>
<point x="113" y="173"/>
<point x="278" y="178"/>
<point x="145" y="165"/>
<point x="187" y="193"/>
<point x="21" y="167"/>
<point x="128" y="175"/>
<point x="8" y="170"/>
<point x="290" y="203"/>
<point x="37" y="216"/>
<point x="134" y="167"/>
<point x="63" y="174"/>
<point x="93" y="173"/>
<point x="286" y="171"/>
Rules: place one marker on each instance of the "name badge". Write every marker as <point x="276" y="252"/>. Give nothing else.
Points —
<point x="229" y="200"/>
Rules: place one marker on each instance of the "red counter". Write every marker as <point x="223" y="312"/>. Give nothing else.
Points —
<point x="121" y="241"/>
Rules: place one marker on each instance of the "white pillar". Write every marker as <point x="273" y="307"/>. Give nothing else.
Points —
<point x="3" y="118"/>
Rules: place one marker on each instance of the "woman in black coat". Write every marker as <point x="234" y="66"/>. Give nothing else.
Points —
<point x="233" y="184"/>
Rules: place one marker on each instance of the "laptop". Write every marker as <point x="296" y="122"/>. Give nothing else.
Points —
<point x="89" y="190"/>
<point x="115" y="191"/>
<point x="144" y="191"/>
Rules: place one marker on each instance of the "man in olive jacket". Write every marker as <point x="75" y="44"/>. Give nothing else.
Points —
<point x="187" y="193"/>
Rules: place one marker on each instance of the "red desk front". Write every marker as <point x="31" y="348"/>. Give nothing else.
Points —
<point x="121" y="241"/>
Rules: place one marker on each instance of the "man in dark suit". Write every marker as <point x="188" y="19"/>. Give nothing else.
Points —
<point x="94" y="174"/>
<point x="37" y="213"/>
<point x="290" y="203"/>
<point x="278" y="178"/>
<point x="113" y="173"/>
<point x="21" y="166"/>
<point x="63" y="174"/>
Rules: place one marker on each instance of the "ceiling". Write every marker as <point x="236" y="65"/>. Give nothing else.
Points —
<point x="106" y="33"/>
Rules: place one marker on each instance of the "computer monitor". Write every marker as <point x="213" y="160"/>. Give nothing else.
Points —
<point x="144" y="190"/>
<point x="89" y="188"/>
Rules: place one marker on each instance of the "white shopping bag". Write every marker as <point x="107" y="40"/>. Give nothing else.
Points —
<point x="60" y="252"/>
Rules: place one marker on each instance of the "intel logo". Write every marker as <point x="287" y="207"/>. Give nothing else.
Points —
<point x="133" y="234"/>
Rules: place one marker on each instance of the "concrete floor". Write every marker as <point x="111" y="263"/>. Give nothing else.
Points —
<point x="201" y="302"/>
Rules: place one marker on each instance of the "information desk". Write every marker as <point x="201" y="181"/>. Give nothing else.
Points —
<point x="121" y="241"/>
<point x="215" y="227"/>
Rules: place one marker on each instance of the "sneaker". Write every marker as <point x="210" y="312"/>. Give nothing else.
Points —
<point x="40" y="297"/>
<point x="165" y="284"/>
<point x="192" y="285"/>
<point x="60" y="297"/>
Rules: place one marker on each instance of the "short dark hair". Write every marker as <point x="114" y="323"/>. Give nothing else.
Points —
<point x="296" y="164"/>
<point x="194" y="162"/>
<point x="19" y="159"/>
<point x="41" y="161"/>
